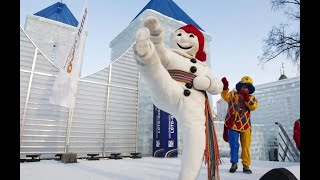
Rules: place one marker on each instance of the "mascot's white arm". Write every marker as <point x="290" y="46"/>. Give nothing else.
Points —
<point x="208" y="83"/>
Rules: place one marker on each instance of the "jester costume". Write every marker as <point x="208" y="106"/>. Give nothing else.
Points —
<point x="237" y="121"/>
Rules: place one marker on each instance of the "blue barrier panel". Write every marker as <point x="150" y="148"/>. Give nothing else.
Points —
<point x="165" y="134"/>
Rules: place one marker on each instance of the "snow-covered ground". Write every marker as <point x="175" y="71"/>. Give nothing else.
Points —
<point x="145" y="168"/>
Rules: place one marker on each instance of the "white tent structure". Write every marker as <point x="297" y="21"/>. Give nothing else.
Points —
<point x="104" y="117"/>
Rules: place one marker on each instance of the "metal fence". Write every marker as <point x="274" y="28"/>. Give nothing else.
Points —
<point x="286" y="150"/>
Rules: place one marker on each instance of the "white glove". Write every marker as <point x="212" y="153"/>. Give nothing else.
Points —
<point x="153" y="24"/>
<point x="201" y="82"/>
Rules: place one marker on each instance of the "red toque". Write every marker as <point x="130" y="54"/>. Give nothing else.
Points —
<point x="201" y="55"/>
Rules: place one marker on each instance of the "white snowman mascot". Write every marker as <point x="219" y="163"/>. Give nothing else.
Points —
<point x="178" y="78"/>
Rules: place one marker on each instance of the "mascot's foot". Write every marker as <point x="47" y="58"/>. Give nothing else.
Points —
<point x="142" y="46"/>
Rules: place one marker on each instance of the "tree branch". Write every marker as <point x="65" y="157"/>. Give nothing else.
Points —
<point x="279" y="42"/>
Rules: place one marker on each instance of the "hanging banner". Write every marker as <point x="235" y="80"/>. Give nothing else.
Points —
<point x="65" y="85"/>
<point x="165" y="134"/>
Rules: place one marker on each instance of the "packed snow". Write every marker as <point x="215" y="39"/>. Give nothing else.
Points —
<point x="145" y="168"/>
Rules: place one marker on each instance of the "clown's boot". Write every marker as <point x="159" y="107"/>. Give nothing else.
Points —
<point x="247" y="170"/>
<point x="233" y="168"/>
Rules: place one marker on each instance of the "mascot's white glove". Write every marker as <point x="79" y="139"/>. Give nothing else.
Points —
<point x="201" y="82"/>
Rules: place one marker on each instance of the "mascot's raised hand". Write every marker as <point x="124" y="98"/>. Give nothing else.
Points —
<point x="179" y="78"/>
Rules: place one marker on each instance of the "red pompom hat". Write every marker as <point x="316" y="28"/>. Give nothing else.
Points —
<point x="201" y="55"/>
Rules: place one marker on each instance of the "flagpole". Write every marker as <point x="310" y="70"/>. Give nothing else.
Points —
<point x="71" y="109"/>
<point x="69" y="127"/>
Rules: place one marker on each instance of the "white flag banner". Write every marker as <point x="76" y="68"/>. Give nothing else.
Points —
<point x="65" y="86"/>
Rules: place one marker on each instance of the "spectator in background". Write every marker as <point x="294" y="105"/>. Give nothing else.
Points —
<point x="296" y="133"/>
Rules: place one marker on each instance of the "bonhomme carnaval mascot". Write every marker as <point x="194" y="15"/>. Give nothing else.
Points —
<point x="178" y="78"/>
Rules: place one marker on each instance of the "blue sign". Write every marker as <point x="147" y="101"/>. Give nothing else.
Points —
<point x="165" y="141"/>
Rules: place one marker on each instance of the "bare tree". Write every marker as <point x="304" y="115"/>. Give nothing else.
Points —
<point x="279" y="41"/>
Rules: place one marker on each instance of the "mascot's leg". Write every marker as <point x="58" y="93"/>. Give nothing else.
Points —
<point x="165" y="91"/>
<point x="193" y="138"/>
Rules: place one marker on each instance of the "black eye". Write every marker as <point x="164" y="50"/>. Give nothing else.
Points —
<point x="179" y="34"/>
<point x="191" y="35"/>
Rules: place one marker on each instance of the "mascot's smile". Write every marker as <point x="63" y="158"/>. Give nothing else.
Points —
<point x="184" y="47"/>
<point x="187" y="42"/>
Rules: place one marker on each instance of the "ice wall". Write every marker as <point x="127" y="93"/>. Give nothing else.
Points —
<point x="258" y="151"/>
<point x="53" y="38"/>
<point x="278" y="101"/>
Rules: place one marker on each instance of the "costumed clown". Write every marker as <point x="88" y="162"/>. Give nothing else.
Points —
<point x="178" y="78"/>
<point x="237" y="122"/>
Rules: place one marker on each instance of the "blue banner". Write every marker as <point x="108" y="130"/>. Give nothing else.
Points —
<point x="165" y="134"/>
